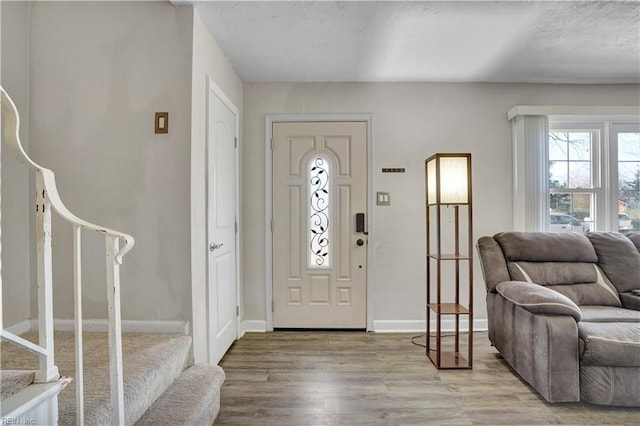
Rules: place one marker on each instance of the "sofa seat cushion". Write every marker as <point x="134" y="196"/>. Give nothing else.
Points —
<point x="608" y="314"/>
<point x="615" y="344"/>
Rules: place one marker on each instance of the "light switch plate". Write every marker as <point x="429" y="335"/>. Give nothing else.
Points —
<point x="383" y="199"/>
<point x="162" y="122"/>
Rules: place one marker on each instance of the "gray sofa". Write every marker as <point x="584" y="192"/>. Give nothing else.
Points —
<point x="563" y="312"/>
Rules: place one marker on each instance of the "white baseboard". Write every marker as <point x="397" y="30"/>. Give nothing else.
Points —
<point x="20" y="327"/>
<point x="417" y="326"/>
<point x="398" y="326"/>
<point x="128" y="326"/>
<point x="391" y="326"/>
<point x="254" y="326"/>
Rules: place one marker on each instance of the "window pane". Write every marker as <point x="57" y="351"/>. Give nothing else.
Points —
<point x="580" y="146"/>
<point x="570" y="212"/>
<point x="558" y="174"/>
<point x="579" y="174"/>
<point x="319" y="212"/>
<point x="570" y="159"/>
<point x="558" y="146"/>
<point x="629" y="181"/>
<point x="628" y="146"/>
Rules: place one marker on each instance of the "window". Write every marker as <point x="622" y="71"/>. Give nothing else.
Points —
<point x="594" y="177"/>
<point x="574" y="180"/>
<point x="576" y="168"/>
<point x="319" y="212"/>
<point x="627" y="202"/>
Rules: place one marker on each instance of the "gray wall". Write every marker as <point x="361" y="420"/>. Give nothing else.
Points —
<point x="99" y="71"/>
<point x="410" y="123"/>
<point x="16" y="272"/>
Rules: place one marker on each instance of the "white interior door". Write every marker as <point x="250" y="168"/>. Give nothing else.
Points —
<point x="319" y="255"/>
<point x="221" y="226"/>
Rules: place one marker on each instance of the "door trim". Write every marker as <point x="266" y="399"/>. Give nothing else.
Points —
<point x="268" y="179"/>
<point x="217" y="91"/>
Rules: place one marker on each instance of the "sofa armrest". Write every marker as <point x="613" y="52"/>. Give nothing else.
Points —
<point x="538" y="299"/>
<point x="543" y="349"/>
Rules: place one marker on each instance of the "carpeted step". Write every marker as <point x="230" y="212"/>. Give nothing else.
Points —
<point x="192" y="400"/>
<point x="148" y="372"/>
<point x="13" y="381"/>
<point x="151" y="362"/>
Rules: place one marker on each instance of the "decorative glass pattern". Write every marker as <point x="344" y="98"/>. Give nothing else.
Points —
<point x="319" y="206"/>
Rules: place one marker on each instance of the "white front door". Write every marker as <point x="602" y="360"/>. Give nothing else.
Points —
<point x="319" y="254"/>
<point x="221" y="226"/>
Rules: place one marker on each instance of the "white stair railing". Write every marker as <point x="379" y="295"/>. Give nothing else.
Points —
<point x="117" y="245"/>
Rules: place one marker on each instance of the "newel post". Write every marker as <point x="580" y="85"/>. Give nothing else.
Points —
<point x="48" y="371"/>
<point x="115" y="329"/>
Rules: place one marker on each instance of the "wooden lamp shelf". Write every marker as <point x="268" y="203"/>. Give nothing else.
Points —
<point x="448" y="309"/>
<point x="449" y="360"/>
<point x="448" y="185"/>
<point x="449" y="256"/>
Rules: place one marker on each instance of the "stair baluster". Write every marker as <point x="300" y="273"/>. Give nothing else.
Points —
<point x="77" y="316"/>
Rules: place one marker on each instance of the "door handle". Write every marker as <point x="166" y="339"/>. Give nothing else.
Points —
<point x="214" y="246"/>
<point x="360" y="242"/>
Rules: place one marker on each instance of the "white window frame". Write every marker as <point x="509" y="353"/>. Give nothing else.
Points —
<point x="528" y="191"/>
<point x="614" y="129"/>
<point x="598" y="175"/>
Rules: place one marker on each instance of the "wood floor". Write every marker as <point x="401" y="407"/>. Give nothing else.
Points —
<point x="358" y="378"/>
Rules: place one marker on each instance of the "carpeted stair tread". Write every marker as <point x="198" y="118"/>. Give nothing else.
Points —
<point x="13" y="381"/>
<point x="192" y="400"/>
<point x="147" y="375"/>
<point x="151" y="362"/>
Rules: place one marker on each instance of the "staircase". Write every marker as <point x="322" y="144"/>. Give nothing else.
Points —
<point x="161" y="384"/>
<point x="93" y="378"/>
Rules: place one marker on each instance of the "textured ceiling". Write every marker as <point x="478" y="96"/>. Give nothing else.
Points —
<point x="454" y="41"/>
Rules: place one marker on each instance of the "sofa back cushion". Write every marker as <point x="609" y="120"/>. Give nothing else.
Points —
<point x="635" y="239"/>
<point x="619" y="259"/>
<point x="546" y="247"/>
<point x="565" y="262"/>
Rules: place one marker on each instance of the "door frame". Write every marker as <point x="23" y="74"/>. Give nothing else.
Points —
<point x="270" y="119"/>
<point x="217" y="91"/>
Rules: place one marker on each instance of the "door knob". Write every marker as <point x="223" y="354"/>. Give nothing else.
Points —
<point x="214" y="246"/>
<point x="360" y="242"/>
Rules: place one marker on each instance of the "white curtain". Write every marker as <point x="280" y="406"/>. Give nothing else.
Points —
<point x="530" y="172"/>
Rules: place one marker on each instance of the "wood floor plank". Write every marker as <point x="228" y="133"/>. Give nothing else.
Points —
<point x="358" y="378"/>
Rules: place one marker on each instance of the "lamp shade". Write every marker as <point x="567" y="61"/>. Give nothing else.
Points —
<point x="448" y="179"/>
